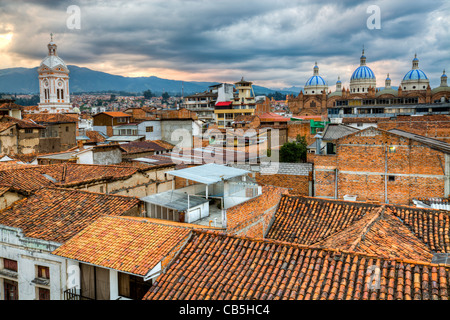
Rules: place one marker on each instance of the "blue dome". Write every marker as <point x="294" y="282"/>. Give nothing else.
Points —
<point x="316" y="81"/>
<point x="363" y="72"/>
<point x="415" y="74"/>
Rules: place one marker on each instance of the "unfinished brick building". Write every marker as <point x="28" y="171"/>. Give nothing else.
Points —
<point x="383" y="166"/>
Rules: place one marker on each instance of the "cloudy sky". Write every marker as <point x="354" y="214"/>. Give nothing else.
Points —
<point x="271" y="42"/>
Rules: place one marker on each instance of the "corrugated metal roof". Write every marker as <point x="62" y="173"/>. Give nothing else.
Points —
<point x="174" y="200"/>
<point x="432" y="143"/>
<point x="209" y="173"/>
<point x="336" y="131"/>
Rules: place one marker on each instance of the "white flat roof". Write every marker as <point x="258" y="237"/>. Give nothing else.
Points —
<point x="209" y="173"/>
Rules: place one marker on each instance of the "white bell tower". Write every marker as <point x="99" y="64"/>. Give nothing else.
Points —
<point x="54" y="83"/>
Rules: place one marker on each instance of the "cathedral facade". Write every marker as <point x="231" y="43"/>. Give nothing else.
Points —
<point x="413" y="95"/>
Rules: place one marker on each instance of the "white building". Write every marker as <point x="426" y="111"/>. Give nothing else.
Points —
<point x="54" y="83"/>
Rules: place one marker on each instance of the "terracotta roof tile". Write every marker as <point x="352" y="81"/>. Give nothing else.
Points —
<point x="47" y="118"/>
<point x="124" y="244"/>
<point x="382" y="234"/>
<point x="54" y="214"/>
<point x="63" y="174"/>
<point x="429" y="225"/>
<point x="307" y="220"/>
<point x="22" y="124"/>
<point x="94" y="137"/>
<point x="220" y="267"/>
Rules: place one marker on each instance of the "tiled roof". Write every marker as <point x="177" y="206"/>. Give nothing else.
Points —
<point x="22" y="124"/>
<point x="6" y="125"/>
<point x="94" y="137"/>
<point x="306" y="220"/>
<point x="381" y="234"/>
<point x="117" y="114"/>
<point x="125" y="244"/>
<point x="49" y="118"/>
<point x="11" y="106"/>
<point x="58" y="214"/>
<point x="429" y="225"/>
<point x="143" y="146"/>
<point x="220" y="267"/>
<point x="62" y="174"/>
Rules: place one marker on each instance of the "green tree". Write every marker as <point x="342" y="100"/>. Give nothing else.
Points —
<point x="165" y="96"/>
<point x="148" y="94"/>
<point x="294" y="152"/>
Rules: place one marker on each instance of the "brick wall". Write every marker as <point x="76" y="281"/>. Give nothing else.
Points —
<point x="432" y="126"/>
<point x="413" y="170"/>
<point x="252" y="217"/>
<point x="302" y="128"/>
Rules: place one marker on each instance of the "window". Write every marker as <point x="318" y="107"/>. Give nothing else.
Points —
<point x="133" y="287"/>
<point x="28" y="130"/>
<point x="43" y="272"/>
<point x="391" y="178"/>
<point x="359" y="125"/>
<point x="148" y="129"/>
<point x="392" y="149"/>
<point x="67" y="129"/>
<point x="43" y="294"/>
<point x="10" y="265"/>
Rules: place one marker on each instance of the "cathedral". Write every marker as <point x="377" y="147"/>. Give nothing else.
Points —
<point x="414" y="95"/>
<point x="54" y="83"/>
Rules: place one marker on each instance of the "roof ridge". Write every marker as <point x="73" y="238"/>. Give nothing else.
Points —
<point x="377" y="216"/>
<point x="306" y="247"/>
<point x="84" y="191"/>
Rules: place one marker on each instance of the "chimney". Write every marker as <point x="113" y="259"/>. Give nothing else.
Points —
<point x="319" y="138"/>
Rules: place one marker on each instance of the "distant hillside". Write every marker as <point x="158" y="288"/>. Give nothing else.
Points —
<point x="25" y="81"/>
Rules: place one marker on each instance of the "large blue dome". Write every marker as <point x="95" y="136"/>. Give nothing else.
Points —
<point x="415" y="74"/>
<point x="363" y="72"/>
<point x="315" y="81"/>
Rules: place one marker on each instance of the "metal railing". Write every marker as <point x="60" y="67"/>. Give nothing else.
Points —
<point x="74" y="295"/>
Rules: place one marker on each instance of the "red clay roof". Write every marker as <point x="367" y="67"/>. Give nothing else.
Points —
<point x="305" y="220"/>
<point x="270" y="116"/>
<point x="62" y="174"/>
<point x="58" y="214"/>
<point x="134" y="245"/>
<point x="215" y="266"/>
<point x="117" y="114"/>
<point x="50" y="118"/>
<point x="22" y="124"/>
<point x="382" y="234"/>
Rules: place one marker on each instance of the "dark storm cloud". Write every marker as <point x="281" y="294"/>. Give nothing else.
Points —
<point x="266" y="39"/>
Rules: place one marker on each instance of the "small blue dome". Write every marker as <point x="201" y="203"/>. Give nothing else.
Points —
<point x="315" y="81"/>
<point x="415" y="74"/>
<point x="444" y="75"/>
<point x="363" y="72"/>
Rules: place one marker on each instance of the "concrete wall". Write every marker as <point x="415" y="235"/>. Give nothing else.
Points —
<point x="178" y="132"/>
<point x="155" y="135"/>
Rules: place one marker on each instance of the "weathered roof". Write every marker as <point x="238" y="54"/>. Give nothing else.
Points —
<point x="214" y="266"/>
<point x="50" y="118"/>
<point x="209" y="173"/>
<point x="62" y="174"/>
<point x="55" y="214"/>
<point x="126" y="244"/>
<point x="175" y="200"/>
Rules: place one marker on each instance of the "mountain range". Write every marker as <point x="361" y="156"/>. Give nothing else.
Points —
<point x="25" y="81"/>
